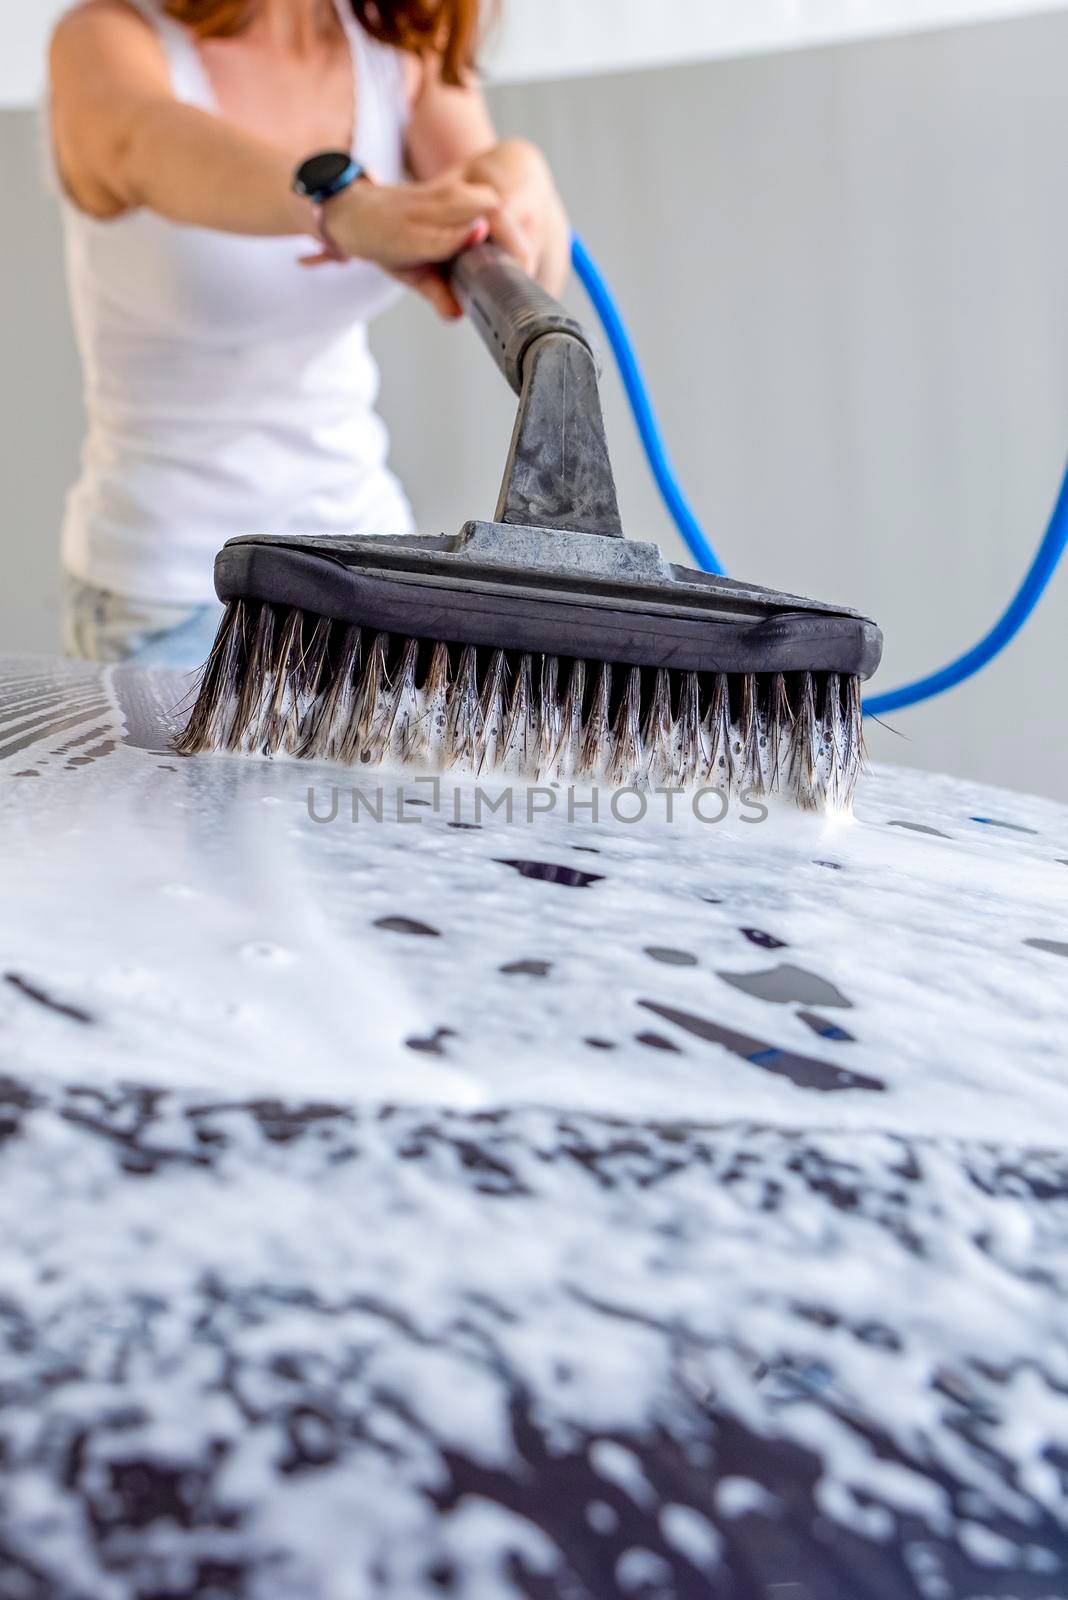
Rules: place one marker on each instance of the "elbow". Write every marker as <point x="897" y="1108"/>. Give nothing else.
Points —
<point x="131" y="156"/>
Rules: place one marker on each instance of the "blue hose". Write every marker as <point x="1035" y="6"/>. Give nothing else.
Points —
<point x="966" y="666"/>
<point x="1004" y="630"/>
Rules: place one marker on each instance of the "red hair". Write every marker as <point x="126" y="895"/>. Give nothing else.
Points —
<point x="446" y="28"/>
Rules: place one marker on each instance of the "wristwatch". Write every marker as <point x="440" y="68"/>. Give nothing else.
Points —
<point x="319" y="179"/>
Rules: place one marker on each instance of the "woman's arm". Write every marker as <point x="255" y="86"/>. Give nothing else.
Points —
<point x="451" y="130"/>
<point x="124" y="142"/>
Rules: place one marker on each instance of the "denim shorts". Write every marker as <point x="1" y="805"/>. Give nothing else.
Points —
<point x="105" y="627"/>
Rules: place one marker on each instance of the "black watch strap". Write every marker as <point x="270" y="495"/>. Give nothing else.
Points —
<point x="319" y="179"/>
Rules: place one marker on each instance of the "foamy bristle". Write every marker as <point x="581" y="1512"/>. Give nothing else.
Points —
<point x="278" y="681"/>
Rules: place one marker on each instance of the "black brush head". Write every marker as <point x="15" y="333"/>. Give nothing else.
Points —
<point x="444" y="653"/>
<point x="545" y="591"/>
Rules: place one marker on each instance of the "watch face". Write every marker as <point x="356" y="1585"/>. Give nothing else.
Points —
<point x="324" y="174"/>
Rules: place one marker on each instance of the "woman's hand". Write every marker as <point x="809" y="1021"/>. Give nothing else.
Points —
<point x="530" y="221"/>
<point x="410" y="231"/>
<point x="506" y="193"/>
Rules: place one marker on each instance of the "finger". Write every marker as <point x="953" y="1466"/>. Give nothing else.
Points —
<point x="319" y="259"/>
<point x="554" y="274"/>
<point x="555" y="268"/>
<point x="458" y="203"/>
<point x="429" y="282"/>
<point x="444" y="243"/>
<point x="432" y="286"/>
<point x="438" y="245"/>
<point x="475" y="195"/>
<point x="506" y="231"/>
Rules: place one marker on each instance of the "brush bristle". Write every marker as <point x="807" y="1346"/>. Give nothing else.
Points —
<point x="281" y="681"/>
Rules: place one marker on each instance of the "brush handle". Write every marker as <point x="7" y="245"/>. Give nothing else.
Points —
<point x="508" y="308"/>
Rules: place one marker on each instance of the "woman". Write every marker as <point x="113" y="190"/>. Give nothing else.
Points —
<point x="230" y="388"/>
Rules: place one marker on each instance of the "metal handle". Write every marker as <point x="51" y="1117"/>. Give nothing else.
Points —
<point x="508" y="308"/>
<point x="558" y="473"/>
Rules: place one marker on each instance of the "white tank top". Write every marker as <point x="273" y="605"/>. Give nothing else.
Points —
<point x="228" y="389"/>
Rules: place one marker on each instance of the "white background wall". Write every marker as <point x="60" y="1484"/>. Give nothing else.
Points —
<point x="560" y="38"/>
<point x="553" y="38"/>
<point x="847" y="271"/>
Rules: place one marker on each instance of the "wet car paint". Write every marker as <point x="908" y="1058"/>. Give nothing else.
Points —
<point x="384" y="1218"/>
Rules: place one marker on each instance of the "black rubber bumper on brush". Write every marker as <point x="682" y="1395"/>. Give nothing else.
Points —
<point x="419" y="589"/>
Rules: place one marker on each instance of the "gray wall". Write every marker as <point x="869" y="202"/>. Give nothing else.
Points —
<point x="40" y="392"/>
<point x="846" y="271"/>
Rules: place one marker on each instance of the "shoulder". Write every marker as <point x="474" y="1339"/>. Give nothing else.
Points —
<point x="99" y="30"/>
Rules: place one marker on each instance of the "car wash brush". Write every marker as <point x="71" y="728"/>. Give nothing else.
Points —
<point x="542" y="645"/>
